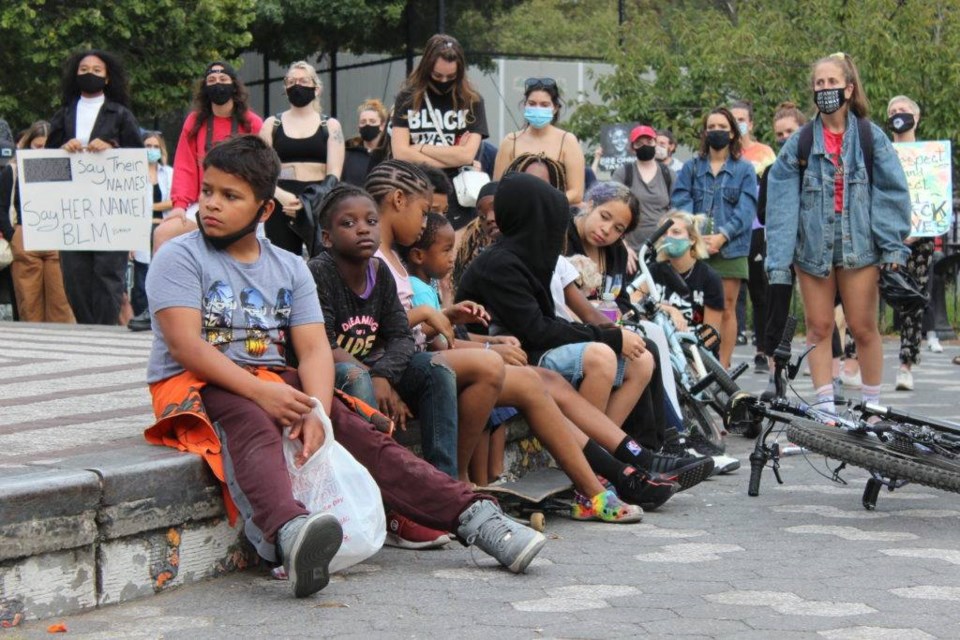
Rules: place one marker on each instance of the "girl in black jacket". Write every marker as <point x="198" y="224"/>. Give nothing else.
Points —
<point x="95" y="117"/>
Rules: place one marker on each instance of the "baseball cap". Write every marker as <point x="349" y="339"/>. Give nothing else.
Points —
<point x="642" y="130"/>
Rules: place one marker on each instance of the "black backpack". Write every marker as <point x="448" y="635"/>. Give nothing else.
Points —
<point x="628" y="176"/>
<point x="805" y="142"/>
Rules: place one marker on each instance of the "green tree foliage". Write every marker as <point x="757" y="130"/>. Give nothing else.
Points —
<point x="289" y="30"/>
<point x="681" y="58"/>
<point x="164" y="45"/>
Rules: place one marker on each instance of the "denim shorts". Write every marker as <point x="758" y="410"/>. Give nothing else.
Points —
<point x="568" y="362"/>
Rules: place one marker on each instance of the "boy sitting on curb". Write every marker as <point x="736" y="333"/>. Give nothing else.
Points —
<point x="227" y="307"/>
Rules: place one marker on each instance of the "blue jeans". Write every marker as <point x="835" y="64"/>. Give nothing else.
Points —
<point x="429" y="388"/>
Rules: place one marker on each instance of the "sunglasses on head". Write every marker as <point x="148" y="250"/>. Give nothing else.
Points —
<point x="531" y="84"/>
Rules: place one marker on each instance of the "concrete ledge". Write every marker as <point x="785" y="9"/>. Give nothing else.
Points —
<point x="102" y="528"/>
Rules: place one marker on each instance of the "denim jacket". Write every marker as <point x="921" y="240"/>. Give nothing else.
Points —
<point x="729" y="199"/>
<point x="875" y="220"/>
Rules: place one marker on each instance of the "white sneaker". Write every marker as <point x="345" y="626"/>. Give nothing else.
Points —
<point x="853" y="381"/>
<point x="933" y="343"/>
<point x="904" y="380"/>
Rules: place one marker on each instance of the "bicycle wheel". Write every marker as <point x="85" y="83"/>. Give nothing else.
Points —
<point x="869" y="453"/>
<point x="709" y="425"/>
<point x="722" y="379"/>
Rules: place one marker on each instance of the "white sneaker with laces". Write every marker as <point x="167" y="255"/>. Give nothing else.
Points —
<point x="933" y="343"/>
<point x="852" y="381"/>
<point x="904" y="380"/>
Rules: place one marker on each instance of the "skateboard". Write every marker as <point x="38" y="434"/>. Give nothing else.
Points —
<point x="537" y="493"/>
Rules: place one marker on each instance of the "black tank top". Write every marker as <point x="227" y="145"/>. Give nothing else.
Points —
<point x="310" y="149"/>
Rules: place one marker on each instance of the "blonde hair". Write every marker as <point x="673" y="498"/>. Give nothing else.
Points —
<point x="303" y="65"/>
<point x="693" y="223"/>
<point x="372" y="104"/>
<point x="911" y="105"/>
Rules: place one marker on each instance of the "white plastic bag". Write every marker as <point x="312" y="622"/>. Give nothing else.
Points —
<point x="333" y="481"/>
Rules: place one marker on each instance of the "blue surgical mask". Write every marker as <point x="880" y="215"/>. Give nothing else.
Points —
<point x="744" y="128"/>
<point x="675" y="247"/>
<point x="153" y="156"/>
<point x="538" y="117"/>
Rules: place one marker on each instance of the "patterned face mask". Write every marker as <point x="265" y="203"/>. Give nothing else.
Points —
<point x="829" y="100"/>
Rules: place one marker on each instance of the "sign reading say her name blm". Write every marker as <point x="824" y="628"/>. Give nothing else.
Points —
<point x="85" y="201"/>
<point x="929" y="177"/>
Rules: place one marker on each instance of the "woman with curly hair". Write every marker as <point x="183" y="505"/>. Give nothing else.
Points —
<point x="95" y="117"/>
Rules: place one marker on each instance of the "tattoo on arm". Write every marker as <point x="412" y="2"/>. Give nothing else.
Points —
<point x="337" y="136"/>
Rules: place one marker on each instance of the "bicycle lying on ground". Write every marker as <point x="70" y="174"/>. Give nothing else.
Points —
<point x="702" y="382"/>
<point x="896" y="447"/>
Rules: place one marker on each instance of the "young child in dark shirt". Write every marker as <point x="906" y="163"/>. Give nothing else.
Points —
<point x="226" y="306"/>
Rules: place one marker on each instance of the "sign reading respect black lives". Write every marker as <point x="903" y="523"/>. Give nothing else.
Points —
<point x="85" y="201"/>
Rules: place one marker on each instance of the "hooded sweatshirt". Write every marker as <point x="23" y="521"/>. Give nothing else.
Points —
<point x="512" y="277"/>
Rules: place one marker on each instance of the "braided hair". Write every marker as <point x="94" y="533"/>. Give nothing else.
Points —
<point x="435" y="222"/>
<point x="393" y="175"/>
<point x="333" y="197"/>
<point x="555" y="170"/>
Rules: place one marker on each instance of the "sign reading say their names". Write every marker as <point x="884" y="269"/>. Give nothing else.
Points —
<point x="929" y="177"/>
<point x="85" y="201"/>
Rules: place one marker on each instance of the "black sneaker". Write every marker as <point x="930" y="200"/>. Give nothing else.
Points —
<point x="741" y="338"/>
<point x="645" y="489"/>
<point x="140" y="322"/>
<point x="687" y="471"/>
<point x="760" y="364"/>
<point x="674" y="444"/>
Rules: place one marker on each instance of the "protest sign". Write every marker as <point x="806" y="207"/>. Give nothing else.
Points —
<point x="927" y="166"/>
<point x="615" y="144"/>
<point x="85" y="201"/>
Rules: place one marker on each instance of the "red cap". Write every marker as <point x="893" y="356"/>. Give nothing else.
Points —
<point x="642" y="130"/>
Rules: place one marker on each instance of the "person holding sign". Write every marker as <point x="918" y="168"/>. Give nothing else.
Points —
<point x="838" y="219"/>
<point x="219" y="111"/>
<point x="903" y="116"/>
<point x="540" y="135"/>
<point x="37" y="279"/>
<point x="95" y="117"/>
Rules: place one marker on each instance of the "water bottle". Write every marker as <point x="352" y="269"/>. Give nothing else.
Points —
<point x="608" y="307"/>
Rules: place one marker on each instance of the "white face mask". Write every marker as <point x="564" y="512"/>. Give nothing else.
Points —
<point x="744" y="128"/>
<point x="661" y="153"/>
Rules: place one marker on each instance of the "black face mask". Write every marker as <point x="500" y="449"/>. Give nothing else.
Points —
<point x="369" y="132"/>
<point x="444" y="87"/>
<point x="218" y="94"/>
<point x="223" y="242"/>
<point x="90" y="83"/>
<point x="646" y="152"/>
<point x="829" y="100"/>
<point x="718" y="139"/>
<point x="300" y="96"/>
<point x="901" y="122"/>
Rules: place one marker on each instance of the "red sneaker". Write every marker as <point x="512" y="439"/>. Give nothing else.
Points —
<point x="404" y="533"/>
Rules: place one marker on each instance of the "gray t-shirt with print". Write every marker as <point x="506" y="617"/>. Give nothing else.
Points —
<point x="246" y="310"/>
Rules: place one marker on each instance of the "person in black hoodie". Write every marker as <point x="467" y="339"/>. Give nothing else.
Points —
<point x="95" y="117"/>
<point x="512" y="280"/>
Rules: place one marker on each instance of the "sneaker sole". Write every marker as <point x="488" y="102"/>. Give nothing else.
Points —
<point x="528" y="554"/>
<point x="393" y="540"/>
<point x="653" y="506"/>
<point x="693" y="474"/>
<point x="316" y="544"/>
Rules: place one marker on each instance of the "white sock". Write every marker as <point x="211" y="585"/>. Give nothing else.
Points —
<point x="870" y="393"/>
<point x="825" y="398"/>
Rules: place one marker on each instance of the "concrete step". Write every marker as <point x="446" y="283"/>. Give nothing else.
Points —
<point x="97" y="528"/>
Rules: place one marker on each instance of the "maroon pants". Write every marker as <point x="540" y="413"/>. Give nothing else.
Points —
<point x="254" y="448"/>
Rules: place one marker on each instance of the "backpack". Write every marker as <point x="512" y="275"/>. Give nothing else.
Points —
<point x="628" y="176"/>
<point x="805" y="142"/>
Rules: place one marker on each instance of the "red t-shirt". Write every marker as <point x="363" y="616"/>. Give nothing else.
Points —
<point x="833" y="143"/>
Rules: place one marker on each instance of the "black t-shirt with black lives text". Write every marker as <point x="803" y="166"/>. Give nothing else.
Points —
<point x="706" y="290"/>
<point x="453" y="123"/>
